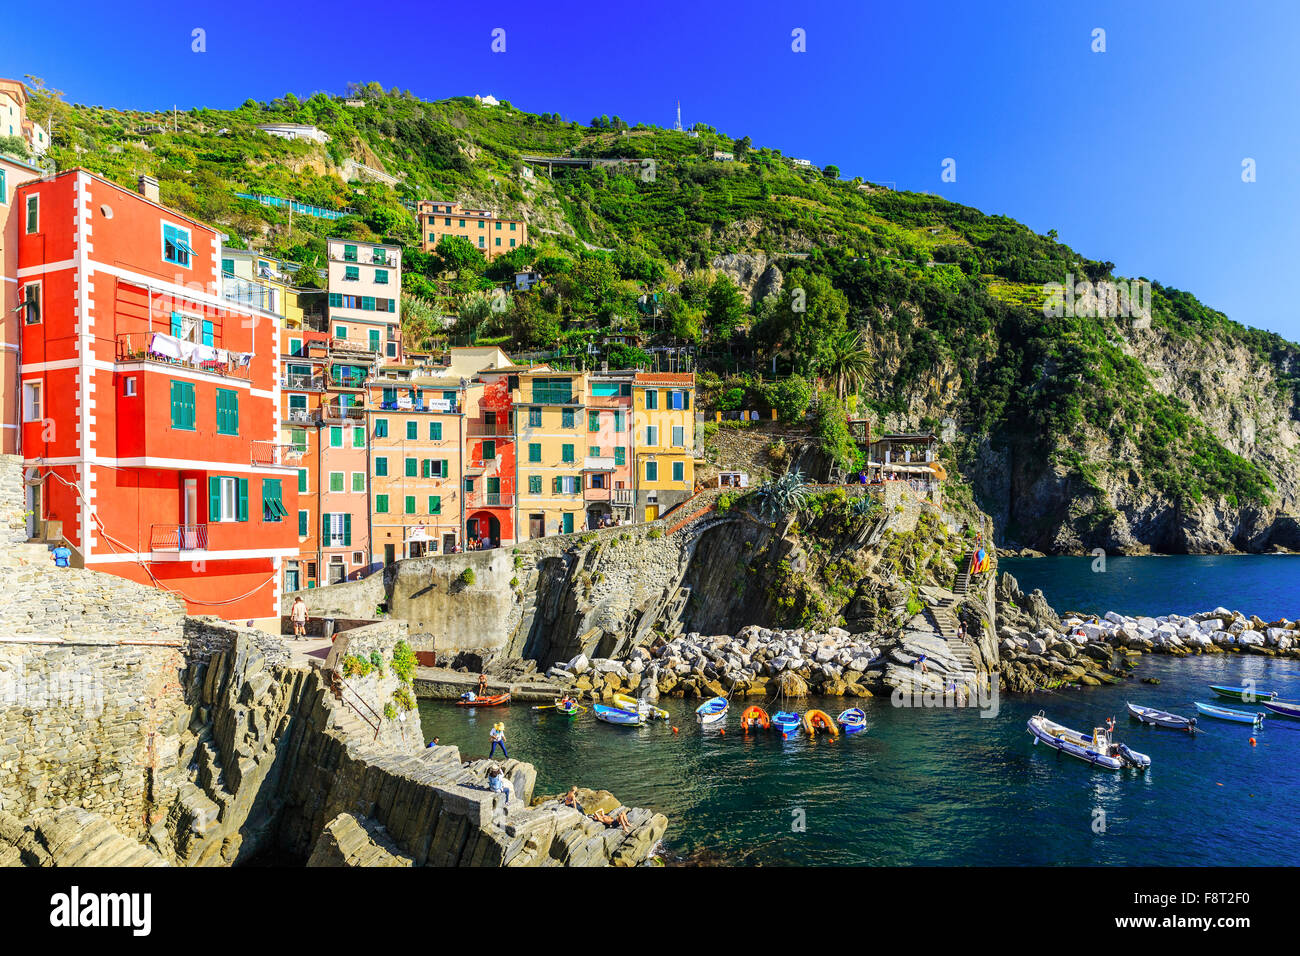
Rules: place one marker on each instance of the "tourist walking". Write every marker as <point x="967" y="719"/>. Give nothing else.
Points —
<point x="298" y="614"/>
<point x="62" y="554"/>
<point x="498" y="736"/>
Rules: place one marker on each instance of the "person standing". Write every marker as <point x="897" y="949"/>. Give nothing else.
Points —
<point x="482" y="685"/>
<point x="298" y="614"/>
<point x="498" y="736"/>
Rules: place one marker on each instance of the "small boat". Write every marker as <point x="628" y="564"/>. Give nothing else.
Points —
<point x="1284" y="708"/>
<point x="712" y="710"/>
<point x="1161" y="718"/>
<point x="612" y="715"/>
<point x="1227" y="713"/>
<point x="1099" y="749"/>
<point x="494" y="701"/>
<point x="569" y="708"/>
<point x="787" y="722"/>
<point x="754" y="718"/>
<point x="624" y="702"/>
<point x="853" y="720"/>
<point x="1244" y="694"/>
<point x="816" y="720"/>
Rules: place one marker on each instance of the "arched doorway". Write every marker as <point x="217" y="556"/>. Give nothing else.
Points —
<point x="483" y="524"/>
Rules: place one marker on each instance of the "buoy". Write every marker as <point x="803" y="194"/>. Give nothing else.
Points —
<point x="785" y="736"/>
<point x="723" y="731"/>
<point x="1252" y="741"/>
<point x="674" y="730"/>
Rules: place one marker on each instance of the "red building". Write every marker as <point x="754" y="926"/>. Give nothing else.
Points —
<point x="151" y="405"/>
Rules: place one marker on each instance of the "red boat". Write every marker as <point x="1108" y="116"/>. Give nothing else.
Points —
<point x="495" y="701"/>
<point x="753" y="718"/>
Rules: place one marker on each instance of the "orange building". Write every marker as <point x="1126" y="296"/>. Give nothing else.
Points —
<point x="489" y="233"/>
<point x="151" y="404"/>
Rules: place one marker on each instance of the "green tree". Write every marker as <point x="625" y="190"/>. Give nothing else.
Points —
<point x="726" y="308"/>
<point x="790" y="397"/>
<point x="831" y="172"/>
<point x="458" y="254"/>
<point x="808" y="314"/>
<point x="846" y="361"/>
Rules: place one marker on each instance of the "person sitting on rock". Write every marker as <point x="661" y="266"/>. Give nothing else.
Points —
<point x="619" y="820"/>
<point x="571" y="799"/>
<point x="498" y="783"/>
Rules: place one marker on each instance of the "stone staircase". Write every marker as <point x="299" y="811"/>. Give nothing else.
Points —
<point x="962" y="586"/>
<point x="944" y="612"/>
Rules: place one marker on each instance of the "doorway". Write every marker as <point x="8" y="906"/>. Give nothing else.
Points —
<point x="651" y="512"/>
<point x="448" y="543"/>
<point x="537" y="526"/>
<point x="390" y="554"/>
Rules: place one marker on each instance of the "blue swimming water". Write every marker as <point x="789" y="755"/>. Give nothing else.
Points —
<point x="949" y="787"/>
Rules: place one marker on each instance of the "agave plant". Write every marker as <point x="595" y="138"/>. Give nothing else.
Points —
<point x="864" y="506"/>
<point x="783" y="495"/>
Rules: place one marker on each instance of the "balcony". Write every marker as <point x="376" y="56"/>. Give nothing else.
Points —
<point x="354" y="346"/>
<point x="623" y="496"/>
<point x="303" y="382"/>
<point x="598" y="464"/>
<point x="609" y="401"/>
<point x="273" y="453"/>
<point x="302" y="416"/>
<point x="485" y="430"/>
<point x="487" y="499"/>
<point x="178" y="538"/>
<point x="342" y="413"/>
<point x="167" y="351"/>
<point x="597" y="494"/>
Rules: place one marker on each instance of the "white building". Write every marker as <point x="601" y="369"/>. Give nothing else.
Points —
<point x="801" y="162"/>
<point x="295" y="131"/>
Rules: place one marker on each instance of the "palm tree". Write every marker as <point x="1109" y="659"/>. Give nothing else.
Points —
<point x="846" y="361"/>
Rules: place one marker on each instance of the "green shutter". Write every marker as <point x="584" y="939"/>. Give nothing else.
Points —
<point x="445" y="470"/>
<point x="555" y="485"/>
<point x="410" y="504"/>
<point x="347" y="529"/>
<point x="214" y="497"/>
<point x="381" y="466"/>
<point x="241" y="513"/>
<point x="619" y="456"/>
<point x="412" y="431"/>
<point x="302" y="480"/>
<point x="425" y="465"/>
<point x="435" y="504"/>
<point x="381" y="504"/>
<point x="302" y="524"/>
<point x="435" y="431"/>
<point x="336" y="436"/>
<point x="410" y="468"/>
<point x="325" y="525"/>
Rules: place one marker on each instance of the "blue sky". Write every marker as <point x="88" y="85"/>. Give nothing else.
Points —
<point x="1133" y="155"/>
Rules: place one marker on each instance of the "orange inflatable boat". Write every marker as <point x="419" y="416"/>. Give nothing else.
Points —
<point x="753" y="718"/>
<point x="816" y="720"/>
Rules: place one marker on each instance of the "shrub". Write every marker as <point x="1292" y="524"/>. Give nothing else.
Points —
<point x="404" y="662"/>
<point x="467" y="577"/>
<point x="404" y="699"/>
<point x="390" y="712"/>
<point x="354" y="666"/>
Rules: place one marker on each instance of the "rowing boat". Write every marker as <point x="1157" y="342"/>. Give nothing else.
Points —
<point x="753" y="718"/>
<point x="1227" y="713"/>
<point x="1161" y="718"/>
<point x="651" y="712"/>
<point x="1099" y="749"/>
<point x="1284" y="708"/>
<point x="853" y="720"/>
<point x="495" y="701"/>
<point x="712" y="710"/>
<point x="1247" y="695"/>
<point x="612" y="715"/>
<point x="815" y="720"/>
<point x="787" y="722"/>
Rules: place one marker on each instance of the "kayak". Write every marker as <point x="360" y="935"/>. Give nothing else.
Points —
<point x="853" y="720"/>
<point x="786" y="722"/>
<point x="612" y="715"/>
<point x="1244" y="694"/>
<point x="624" y="702"/>
<point x="712" y="710"/>
<point x="1161" y="718"/>
<point x="754" y="718"/>
<point x="495" y="701"/>
<point x="1227" y="713"/>
<point x="816" y="720"/>
<point x="1284" y="708"/>
<point x="1098" y="750"/>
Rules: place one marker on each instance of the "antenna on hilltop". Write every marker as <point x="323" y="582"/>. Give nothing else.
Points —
<point x="678" y="125"/>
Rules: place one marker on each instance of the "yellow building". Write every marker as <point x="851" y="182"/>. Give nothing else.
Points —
<point x="551" y="445"/>
<point x="489" y="233"/>
<point x="664" y="435"/>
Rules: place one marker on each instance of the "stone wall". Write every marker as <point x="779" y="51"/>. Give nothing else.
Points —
<point x="378" y="688"/>
<point x="13" y="501"/>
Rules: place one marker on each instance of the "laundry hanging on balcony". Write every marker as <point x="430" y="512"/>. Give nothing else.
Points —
<point x="183" y="350"/>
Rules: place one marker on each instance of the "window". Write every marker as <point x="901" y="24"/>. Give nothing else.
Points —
<point x="652" y="435"/>
<point x="381" y="504"/>
<point x="468" y="485"/>
<point x="598" y="480"/>
<point x="227" y="411"/>
<point x="359" y="481"/>
<point x="618" y="422"/>
<point x="302" y="480"/>
<point x="32" y="302"/>
<point x="651" y="471"/>
<point x="128" y="386"/>
<point x="336" y="436"/>
<point x="4" y="194"/>
<point x="620" y="457"/>
<point x="381" y="277"/>
<point x="381" y="467"/>
<point x="567" y="418"/>
<point x="435" y="431"/>
<point x="182" y="395"/>
<point x="176" y="245"/>
<point x="566" y="454"/>
<point x="381" y="427"/>
<point x="489" y="451"/>
<point x="679" y="436"/>
<point x="339" y="529"/>
<point x="412" y="430"/>
<point x="435" y="504"/>
<point x="341" y="331"/>
<point x="679" y="471"/>
<point x="272" y="503"/>
<point x="228" y="266"/>
<point x="31" y="401"/>
<point x="228" y="498"/>
<point x="534" y="452"/>
<point x="410" y="505"/>
<point x="534" y="484"/>
<point x="566" y="523"/>
<point x="593" y="421"/>
<point x="410" y="467"/>
<point x="336" y="481"/>
<point x="302" y="524"/>
<point x="651" y="399"/>
<point x="358" y="436"/>
<point x="349" y="253"/>
<point x="480" y="240"/>
<point x="351" y="274"/>
<point x="298" y="437"/>
<point x="33" y="213"/>
<point x="295" y="346"/>
<point x="679" y="400"/>
<point x="594" y="451"/>
<point x="566" y="484"/>
<point x="534" y="418"/>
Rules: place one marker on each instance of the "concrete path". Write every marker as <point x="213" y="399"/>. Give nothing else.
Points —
<point x="439" y="683"/>
<point x="310" y="652"/>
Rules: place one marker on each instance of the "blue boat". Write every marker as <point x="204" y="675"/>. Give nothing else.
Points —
<point x="1227" y="713"/>
<point x="1284" y="708"/>
<point x="712" y="710"/>
<point x="612" y="715"/>
<point x="1244" y="695"/>
<point x="853" y="720"/>
<point x="786" y="722"/>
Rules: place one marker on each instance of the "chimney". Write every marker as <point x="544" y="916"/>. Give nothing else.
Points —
<point x="149" y="188"/>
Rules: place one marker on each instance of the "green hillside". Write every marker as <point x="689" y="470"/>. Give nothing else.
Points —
<point x="942" y="293"/>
